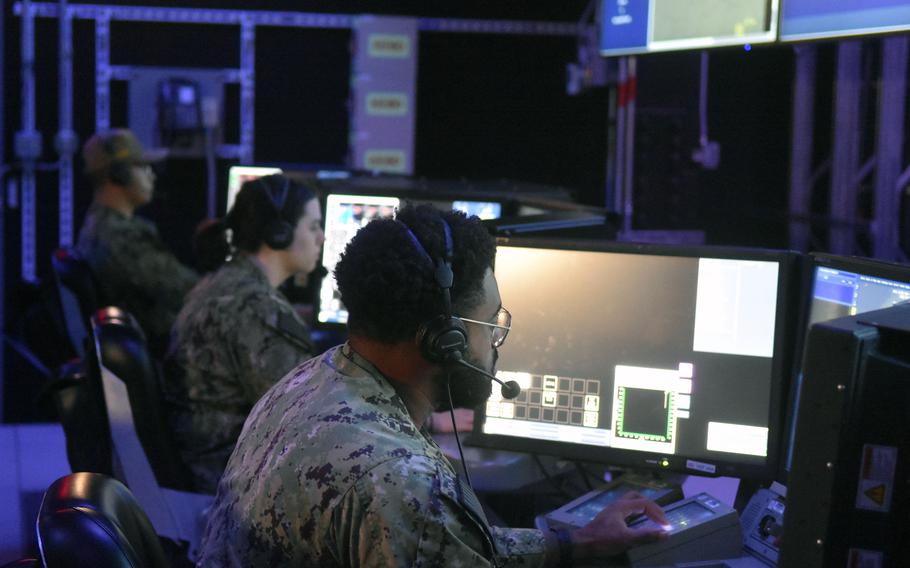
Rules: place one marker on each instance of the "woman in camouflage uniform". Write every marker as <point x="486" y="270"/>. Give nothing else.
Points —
<point x="237" y="335"/>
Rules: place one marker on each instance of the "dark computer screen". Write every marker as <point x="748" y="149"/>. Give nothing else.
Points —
<point x="641" y="26"/>
<point x="642" y="355"/>
<point x="812" y="19"/>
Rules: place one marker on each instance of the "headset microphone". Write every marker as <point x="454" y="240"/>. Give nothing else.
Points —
<point x="509" y="390"/>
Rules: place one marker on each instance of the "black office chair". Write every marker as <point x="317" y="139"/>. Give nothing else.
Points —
<point x="89" y="519"/>
<point x="24" y="563"/>
<point x="78" y="295"/>
<point x="121" y="348"/>
<point x="144" y="455"/>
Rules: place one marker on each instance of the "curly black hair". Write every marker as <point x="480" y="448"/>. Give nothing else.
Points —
<point x="389" y="287"/>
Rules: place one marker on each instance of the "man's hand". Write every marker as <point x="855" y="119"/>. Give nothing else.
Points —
<point x="608" y="534"/>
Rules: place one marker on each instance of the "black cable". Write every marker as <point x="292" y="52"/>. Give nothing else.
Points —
<point x="464" y="465"/>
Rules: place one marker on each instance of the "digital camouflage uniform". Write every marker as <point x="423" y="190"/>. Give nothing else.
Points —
<point x="235" y="337"/>
<point x="330" y="470"/>
<point x="134" y="269"/>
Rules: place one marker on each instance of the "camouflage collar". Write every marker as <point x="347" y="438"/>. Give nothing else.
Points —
<point x="242" y="261"/>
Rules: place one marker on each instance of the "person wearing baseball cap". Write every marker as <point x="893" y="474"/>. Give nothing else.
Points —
<point x="134" y="268"/>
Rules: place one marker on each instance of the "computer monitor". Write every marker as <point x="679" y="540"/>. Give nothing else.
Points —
<point x="344" y="216"/>
<point x="847" y="286"/>
<point x="642" y="26"/>
<point x="237" y="175"/>
<point x="816" y="19"/>
<point x="843" y="286"/>
<point x="484" y="210"/>
<point x="848" y="498"/>
<point x="643" y="356"/>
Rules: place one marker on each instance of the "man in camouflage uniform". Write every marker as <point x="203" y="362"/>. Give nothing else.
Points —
<point x="134" y="269"/>
<point x="333" y="467"/>
<point x="234" y="338"/>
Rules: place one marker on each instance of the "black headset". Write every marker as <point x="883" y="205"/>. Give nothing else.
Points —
<point x="278" y="233"/>
<point x="120" y="171"/>
<point x="443" y="339"/>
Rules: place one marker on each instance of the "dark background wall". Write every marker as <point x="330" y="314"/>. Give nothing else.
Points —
<point x="488" y="107"/>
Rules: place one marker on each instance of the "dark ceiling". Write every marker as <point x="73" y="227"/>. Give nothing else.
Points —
<point x="549" y="10"/>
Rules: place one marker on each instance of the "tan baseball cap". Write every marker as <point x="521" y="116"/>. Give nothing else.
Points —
<point x="116" y="145"/>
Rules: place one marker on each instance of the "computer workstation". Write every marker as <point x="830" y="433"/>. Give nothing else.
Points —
<point x="675" y="360"/>
<point x="666" y="361"/>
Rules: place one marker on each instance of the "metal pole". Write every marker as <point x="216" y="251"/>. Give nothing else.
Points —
<point x="629" y="152"/>
<point x="610" y="197"/>
<point x="842" y="239"/>
<point x="889" y="145"/>
<point x="247" y="89"/>
<point x="620" y="194"/>
<point x="2" y="209"/>
<point x="103" y="71"/>
<point x="801" y="141"/>
<point x="28" y="144"/>
<point x="66" y="142"/>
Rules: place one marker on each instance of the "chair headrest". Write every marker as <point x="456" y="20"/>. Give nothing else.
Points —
<point x="73" y="272"/>
<point x="89" y="519"/>
<point x="112" y="315"/>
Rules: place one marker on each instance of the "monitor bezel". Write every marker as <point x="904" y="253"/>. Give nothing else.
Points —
<point x="782" y="368"/>
<point x="861" y="265"/>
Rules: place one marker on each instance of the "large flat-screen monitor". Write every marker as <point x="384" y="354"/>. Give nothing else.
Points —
<point x="815" y="19"/>
<point x="645" y="356"/>
<point x="237" y="175"/>
<point x="642" y="26"/>
<point x="345" y="214"/>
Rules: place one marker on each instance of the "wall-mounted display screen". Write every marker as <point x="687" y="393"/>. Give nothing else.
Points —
<point x="642" y="26"/>
<point x="815" y="19"/>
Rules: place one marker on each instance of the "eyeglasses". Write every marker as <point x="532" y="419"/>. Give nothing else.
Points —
<point x="500" y="328"/>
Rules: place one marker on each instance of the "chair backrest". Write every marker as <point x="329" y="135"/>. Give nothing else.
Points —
<point x="79" y="399"/>
<point x="78" y="295"/>
<point x="143" y="455"/>
<point x="89" y="519"/>
<point x="121" y="348"/>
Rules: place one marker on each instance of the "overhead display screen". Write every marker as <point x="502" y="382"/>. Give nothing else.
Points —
<point x="641" y="26"/>
<point x="814" y="19"/>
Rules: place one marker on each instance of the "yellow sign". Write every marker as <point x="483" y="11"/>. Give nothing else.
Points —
<point x="394" y="161"/>
<point x="387" y="104"/>
<point x="395" y="46"/>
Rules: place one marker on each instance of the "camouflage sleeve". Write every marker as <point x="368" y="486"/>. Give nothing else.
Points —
<point x="270" y="352"/>
<point x="152" y="267"/>
<point x="398" y="515"/>
<point x="521" y="547"/>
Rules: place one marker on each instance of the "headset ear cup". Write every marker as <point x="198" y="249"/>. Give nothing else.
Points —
<point x="120" y="173"/>
<point x="279" y="235"/>
<point x="443" y="340"/>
